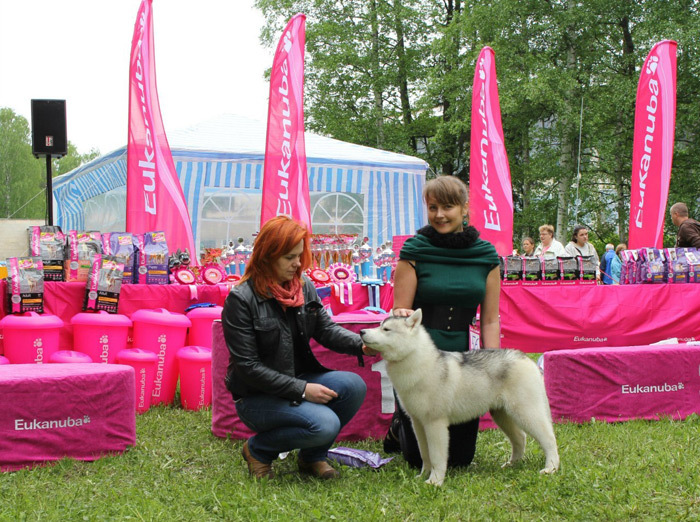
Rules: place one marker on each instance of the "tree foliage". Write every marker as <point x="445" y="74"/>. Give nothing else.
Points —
<point x="397" y="74"/>
<point x="22" y="176"/>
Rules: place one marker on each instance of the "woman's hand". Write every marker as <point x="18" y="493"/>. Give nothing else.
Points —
<point x="318" y="393"/>
<point x="402" y="312"/>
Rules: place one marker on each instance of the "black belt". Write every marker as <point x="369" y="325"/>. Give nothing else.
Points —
<point x="447" y="317"/>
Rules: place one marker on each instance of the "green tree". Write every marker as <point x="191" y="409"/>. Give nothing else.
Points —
<point x="22" y="176"/>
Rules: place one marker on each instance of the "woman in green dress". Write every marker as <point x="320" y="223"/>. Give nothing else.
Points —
<point x="447" y="271"/>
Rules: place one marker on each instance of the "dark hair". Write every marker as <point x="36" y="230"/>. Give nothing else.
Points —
<point x="577" y="229"/>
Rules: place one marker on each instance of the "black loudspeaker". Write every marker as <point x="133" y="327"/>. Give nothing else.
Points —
<point x="49" y="128"/>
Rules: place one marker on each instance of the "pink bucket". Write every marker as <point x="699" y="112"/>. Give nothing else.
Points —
<point x="30" y="337"/>
<point x="202" y="319"/>
<point x="195" y="377"/>
<point x="163" y="333"/>
<point x="69" y="356"/>
<point x="100" y="335"/>
<point x="144" y="364"/>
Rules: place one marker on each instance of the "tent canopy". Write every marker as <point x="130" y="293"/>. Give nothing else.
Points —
<point x="353" y="189"/>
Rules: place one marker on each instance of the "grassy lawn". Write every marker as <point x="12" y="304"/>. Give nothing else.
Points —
<point x="179" y="471"/>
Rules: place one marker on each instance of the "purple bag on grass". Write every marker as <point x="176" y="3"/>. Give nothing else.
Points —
<point x="357" y="458"/>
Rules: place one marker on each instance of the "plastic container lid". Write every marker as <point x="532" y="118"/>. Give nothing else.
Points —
<point x="213" y="312"/>
<point x="136" y="354"/>
<point x="194" y="353"/>
<point x="101" y="318"/>
<point x="69" y="356"/>
<point x="4" y="360"/>
<point x="161" y="316"/>
<point x="31" y="320"/>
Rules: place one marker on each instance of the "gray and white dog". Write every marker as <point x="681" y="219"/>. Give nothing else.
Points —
<point x="439" y="388"/>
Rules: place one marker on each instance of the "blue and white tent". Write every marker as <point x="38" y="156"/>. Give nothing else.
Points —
<point x="353" y="189"/>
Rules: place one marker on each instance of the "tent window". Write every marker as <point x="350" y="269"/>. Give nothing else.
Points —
<point x="337" y="213"/>
<point x="227" y="215"/>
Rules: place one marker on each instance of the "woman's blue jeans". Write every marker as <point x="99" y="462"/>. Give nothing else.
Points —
<point x="281" y="425"/>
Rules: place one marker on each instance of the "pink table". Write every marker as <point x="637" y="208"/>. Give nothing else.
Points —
<point x="542" y="318"/>
<point x="75" y="410"/>
<point x="623" y="383"/>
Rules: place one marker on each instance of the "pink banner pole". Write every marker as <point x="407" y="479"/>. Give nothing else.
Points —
<point x="154" y="197"/>
<point x="652" y="155"/>
<point x="490" y="190"/>
<point x="285" y="182"/>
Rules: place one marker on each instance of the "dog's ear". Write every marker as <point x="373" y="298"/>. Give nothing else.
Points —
<point x="415" y="318"/>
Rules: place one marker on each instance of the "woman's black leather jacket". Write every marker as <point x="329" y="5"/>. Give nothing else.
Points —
<point x="259" y="340"/>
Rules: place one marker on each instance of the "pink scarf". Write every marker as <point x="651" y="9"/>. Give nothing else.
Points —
<point x="288" y="294"/>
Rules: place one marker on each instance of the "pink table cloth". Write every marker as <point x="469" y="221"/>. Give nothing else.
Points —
<point x="371" y="421"/>
<point x="74" y="410"/>
<point x="623" y="383"/>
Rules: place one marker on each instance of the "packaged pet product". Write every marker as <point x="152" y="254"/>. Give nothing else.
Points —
<point x="653" y="266"/>
<point x="104" y="284"/>
<point x="79" y="248"/>
<point x="121" y="245"/>
<point x="513" y="269"/>
<point x="25" y="285"/>
<point x="589" y="270"/>
<point x="47" y="242"/>
<point x="550" y="269"/>
<point x="693" y="259"/>
<point x="151" y="259"/>
<point x="532" y="269"/>
<point x="569" y="269"/>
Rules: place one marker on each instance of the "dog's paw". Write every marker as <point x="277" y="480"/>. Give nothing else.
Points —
<point x="548" y="471"/>
<point x="507" y="464"/>
<point x="435" y="480"/>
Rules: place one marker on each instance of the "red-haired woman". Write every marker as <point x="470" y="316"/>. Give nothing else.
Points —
<point x="280" y="389"/>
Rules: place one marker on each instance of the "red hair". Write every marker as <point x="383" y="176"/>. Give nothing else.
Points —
<point x="278" y="237"/>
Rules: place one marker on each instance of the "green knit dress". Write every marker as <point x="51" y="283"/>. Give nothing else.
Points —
<point x="451" y="272"/>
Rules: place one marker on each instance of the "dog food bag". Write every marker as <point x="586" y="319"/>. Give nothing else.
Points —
<point x="151" y="259"/>
<point x="25" y="285"/>
<point x="104" y="284"/>
<point x="653" y="266"/>
<point x="569" y="268"/>
<point x="48" y="242"/>
<point x="79" y="248"/>
<point x="550" y="269"/>
<point x="501" y="266"/>
<point x="692" y="257"/>
<point x="513" y="268"/>
<point x="121" y="245"/>
<point x="532" y="268"/>
<point x="589" y="268"/>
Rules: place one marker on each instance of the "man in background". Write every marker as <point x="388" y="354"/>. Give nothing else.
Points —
<point x="688" y="228"/>
<point x="605" y="263"/>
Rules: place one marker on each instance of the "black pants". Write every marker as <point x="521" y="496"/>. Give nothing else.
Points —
<point x="462" y="441"/>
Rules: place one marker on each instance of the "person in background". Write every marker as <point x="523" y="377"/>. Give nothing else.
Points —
<point x="528" y="247"/>
<point x="615" y="264"/>
<point x="579" y="245"/>
<point x="280" y="390"/>
<point x="605" y="263"/>
<point x="447" y="271"/>
<point x="688" y="228"/>
<point x="549" y="247"/>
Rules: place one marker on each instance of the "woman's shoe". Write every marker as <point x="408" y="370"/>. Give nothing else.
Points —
<point x="256" y="468"/>
<point x="320" y="469"/>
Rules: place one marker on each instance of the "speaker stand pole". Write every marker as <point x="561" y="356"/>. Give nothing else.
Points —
<point x="49" y="191"/>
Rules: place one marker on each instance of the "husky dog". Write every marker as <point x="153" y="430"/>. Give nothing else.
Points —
<point x="439" y="388"/>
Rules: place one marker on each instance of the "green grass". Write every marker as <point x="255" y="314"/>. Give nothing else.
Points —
<point x="179" y="471"/>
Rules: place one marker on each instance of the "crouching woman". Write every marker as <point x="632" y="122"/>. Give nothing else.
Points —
<point x="280" y="390"/>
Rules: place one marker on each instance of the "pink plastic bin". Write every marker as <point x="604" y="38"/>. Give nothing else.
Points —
<point x="30" y="337"/>
<point x="100" y="335"/>
<point x="195" y="377"/>
<point x="163" y="333"/>
<point x="4" y="360"/>
<point x="69" y="356"/>
<point x="202" y="318"/>
<point x="144" y="364"/>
